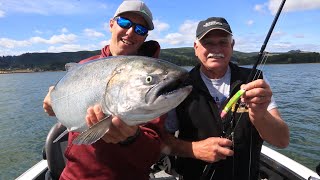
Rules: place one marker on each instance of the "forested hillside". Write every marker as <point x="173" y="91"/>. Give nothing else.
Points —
<point x="180" y="56"/>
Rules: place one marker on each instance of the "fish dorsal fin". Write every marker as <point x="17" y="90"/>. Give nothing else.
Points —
<point x="94" y="133"/>
<point x="70" y="66"/>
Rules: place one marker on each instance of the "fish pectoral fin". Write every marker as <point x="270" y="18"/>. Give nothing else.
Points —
<point x="94" y="133"/>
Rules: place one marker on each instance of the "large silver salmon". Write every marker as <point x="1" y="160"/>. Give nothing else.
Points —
<point x="137" y="89"/>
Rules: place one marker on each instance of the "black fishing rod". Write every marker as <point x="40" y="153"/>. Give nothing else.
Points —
<point x="264" y="45"/>
<point x="209" y="169"/>
<point x="252" y="74"/>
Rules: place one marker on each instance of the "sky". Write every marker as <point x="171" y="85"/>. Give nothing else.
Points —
<point x="28" y="26"/>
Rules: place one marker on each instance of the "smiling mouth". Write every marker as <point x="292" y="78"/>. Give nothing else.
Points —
<point x="126" y="42"/>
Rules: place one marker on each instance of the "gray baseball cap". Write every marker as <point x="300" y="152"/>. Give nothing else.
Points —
<point x="136" y="6"/>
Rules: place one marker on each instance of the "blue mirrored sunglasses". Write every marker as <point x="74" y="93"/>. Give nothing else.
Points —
<point x="126" y="24"/>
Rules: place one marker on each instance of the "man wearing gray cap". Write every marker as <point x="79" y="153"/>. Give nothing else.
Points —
<point x="125" y="152"/>
<point x="212" y="146"/>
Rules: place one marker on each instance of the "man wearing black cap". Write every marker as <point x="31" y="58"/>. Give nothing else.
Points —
<point x="211" y="147"/>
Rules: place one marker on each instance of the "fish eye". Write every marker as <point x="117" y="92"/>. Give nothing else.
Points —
<point x="148" y="79"/>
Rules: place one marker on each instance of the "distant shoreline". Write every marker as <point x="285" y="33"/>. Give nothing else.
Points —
<point x="19" y="71"/>
<point x="16" y="71"/>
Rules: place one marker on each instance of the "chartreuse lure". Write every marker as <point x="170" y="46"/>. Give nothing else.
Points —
<point x="231" y="102"/>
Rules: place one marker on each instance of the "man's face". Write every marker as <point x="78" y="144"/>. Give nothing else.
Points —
<point x="126" y="41"/>
<point x="214" y="50"/>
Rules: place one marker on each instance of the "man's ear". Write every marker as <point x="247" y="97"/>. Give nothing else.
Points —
<point x="195" y="46"/>
<point x="232" y="44"/>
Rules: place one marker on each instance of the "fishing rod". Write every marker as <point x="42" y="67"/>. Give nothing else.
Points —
<point x="264" y="45"/>
<point x="252" y="75"/>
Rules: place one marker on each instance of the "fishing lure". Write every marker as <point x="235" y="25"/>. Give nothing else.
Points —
<point x="231" y="102"/>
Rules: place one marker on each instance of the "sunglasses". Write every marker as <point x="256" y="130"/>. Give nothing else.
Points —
<point x="126" y="24"/>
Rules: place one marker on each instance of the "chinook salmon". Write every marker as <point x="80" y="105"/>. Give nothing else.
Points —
<point x="136" y="89"/>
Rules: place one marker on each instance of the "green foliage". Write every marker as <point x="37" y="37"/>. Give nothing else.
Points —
<point x="180" y="56"/>
<point x="286" y="58"/>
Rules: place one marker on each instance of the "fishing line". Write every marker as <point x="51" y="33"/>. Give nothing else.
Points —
<point x="261" y="66"/>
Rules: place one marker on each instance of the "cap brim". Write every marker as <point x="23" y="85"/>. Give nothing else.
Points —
<point x="215" y="28"/>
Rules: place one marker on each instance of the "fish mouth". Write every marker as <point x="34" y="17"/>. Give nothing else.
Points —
<point x="168" y="88"/>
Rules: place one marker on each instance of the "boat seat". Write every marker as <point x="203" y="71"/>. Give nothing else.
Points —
<point x="54" y="152"/>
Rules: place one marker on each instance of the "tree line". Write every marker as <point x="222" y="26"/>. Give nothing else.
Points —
<point x="180" y="56"/>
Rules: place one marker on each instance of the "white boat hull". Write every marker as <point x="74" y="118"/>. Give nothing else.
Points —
<point x="276" y="163"/>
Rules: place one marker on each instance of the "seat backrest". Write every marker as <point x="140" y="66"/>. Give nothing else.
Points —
<point x="54" y="152"/>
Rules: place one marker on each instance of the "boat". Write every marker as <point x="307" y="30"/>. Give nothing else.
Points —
<point x="273" y="165"/>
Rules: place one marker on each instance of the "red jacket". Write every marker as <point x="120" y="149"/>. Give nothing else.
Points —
<point x="107" y="161"/>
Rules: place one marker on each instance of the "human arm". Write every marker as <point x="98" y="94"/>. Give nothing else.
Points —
<point x="269" y="124"/>
<point x="212" y="149"/>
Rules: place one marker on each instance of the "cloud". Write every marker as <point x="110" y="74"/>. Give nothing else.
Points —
<point x="11" y="52"/>
<point x="106" y="26"/>
<point x="64" y="30"/>
<point x="252" y="42"/>
<point x="278" y="34"/>
<point x="10" y="43"/>
<point x="65" y="48"/>
<point x="2" y="14"/>
<point x="160" y="26"/>
<point x="55" y="39"/>
<point x="250" y="22"/>
<point x="71" y="48"/>
<point x="38" y="31"/>
<point x="282" y="46"/>
<point x="189" y="27"/>
<point x="104" y="43"/>
<point x="184" y="37"/>
<point x="299" y="36"/>
<point x="174" y="39"/>
<point x="296" y="5"/>
<point x="290" y="6"/>
<point x="49" y="7"/>
<point x="260" y="8"/>
<point x="92" y="33"/>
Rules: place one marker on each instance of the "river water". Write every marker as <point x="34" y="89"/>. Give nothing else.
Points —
<point x="24" y="125"/>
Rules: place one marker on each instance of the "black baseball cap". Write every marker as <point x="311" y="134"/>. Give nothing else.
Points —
<point x="212" y="23"/>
